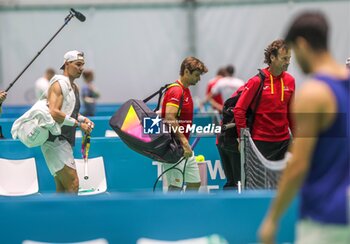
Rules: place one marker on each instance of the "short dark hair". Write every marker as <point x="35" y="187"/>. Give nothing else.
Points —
<point x="313" y="27"/>
<point x="222" y="72"/>
<point x="230" y="69"/>
<point x="273" y="48"/>
<point x="192" y="64"/>
<point x="88" y="74"/>
<point x="50" y="72"/>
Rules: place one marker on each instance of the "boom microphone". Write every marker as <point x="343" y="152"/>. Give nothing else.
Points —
<point x="73" y="13"/>
<point x="78" y="15"/>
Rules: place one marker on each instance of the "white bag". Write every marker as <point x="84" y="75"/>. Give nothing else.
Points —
<point x="33" y="127"/>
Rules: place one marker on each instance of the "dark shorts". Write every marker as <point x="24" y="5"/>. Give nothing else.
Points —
<point x="272" y="150"/>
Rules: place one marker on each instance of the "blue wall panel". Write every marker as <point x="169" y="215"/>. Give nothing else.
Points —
<point x="123" y="218"/>
<point x="131" y="210"/>
<point x="125" y="169"/>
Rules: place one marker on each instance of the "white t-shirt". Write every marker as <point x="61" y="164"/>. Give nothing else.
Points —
<point x="41" y="86"/>
<point x="226" y="86"/>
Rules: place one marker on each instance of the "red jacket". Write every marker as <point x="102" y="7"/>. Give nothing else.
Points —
<point x="272" y="116"/>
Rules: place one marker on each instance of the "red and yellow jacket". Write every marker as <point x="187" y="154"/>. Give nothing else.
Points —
<point x="272" y="116"/>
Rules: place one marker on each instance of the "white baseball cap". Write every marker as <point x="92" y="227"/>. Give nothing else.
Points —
<point x="71" y="56"/>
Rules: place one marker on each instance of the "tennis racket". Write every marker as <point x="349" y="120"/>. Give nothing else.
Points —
<point x="193" y="145"/>
<point x="85" y="147"/>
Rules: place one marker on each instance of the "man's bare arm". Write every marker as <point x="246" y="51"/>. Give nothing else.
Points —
<point x="55" y="101"/>
<point x="313" y="103"/>
<point x="170" y="117"/>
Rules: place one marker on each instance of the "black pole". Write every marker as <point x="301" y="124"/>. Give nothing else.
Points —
<point x="66" y="20"/>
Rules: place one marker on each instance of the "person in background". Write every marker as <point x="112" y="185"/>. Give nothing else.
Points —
<point x="320" y="166"/>
<point x="42" y="84"/>
<point x="227" y="85"/>
<point x="190" y="73"/>
<point x="216" y="101"/>
<point x="89" y="93"/>
<point x="3" y="96"/>
<point x="347" y="63"/>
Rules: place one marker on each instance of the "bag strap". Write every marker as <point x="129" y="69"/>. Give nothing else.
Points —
<point x="160" y="93"/>
<point x="180" y="104"/>
<point x="258" y="94"/>
<point x="181" y="99"/>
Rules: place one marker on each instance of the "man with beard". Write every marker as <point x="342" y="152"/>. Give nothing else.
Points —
<point x="270" y="129"/>
<point x="177" y="110"/>
<point x="63" y="102"/>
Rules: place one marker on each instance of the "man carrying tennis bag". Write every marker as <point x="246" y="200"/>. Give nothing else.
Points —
<point x="165" y="139"/>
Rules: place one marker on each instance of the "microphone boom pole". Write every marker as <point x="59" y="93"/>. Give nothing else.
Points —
<point x="66" y="20"/>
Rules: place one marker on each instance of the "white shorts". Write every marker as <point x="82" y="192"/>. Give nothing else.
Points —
<point x="174" y="176"/>
<point x="309" y="231"/>
<point x="57" y="154"/>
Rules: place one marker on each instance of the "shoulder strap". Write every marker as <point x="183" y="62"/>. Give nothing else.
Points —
<point x="160" y="93"/>
<point x="180" y="105"/>
<point x="257" y="97"/>
<point x="181" y="99"/>
<point x="259" y="91"/>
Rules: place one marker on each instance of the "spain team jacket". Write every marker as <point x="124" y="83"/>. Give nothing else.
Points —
<point x="272" y="117"/>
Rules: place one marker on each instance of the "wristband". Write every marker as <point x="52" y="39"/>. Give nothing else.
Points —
<point x="81" y="118"/>
<point x="69" y="121"/>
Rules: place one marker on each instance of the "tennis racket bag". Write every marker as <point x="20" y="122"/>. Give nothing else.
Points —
<point x="141" y="129"/>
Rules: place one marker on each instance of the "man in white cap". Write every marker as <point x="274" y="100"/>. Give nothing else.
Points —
<point x="348" y="63"/>
<point x="64" y="104"/>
